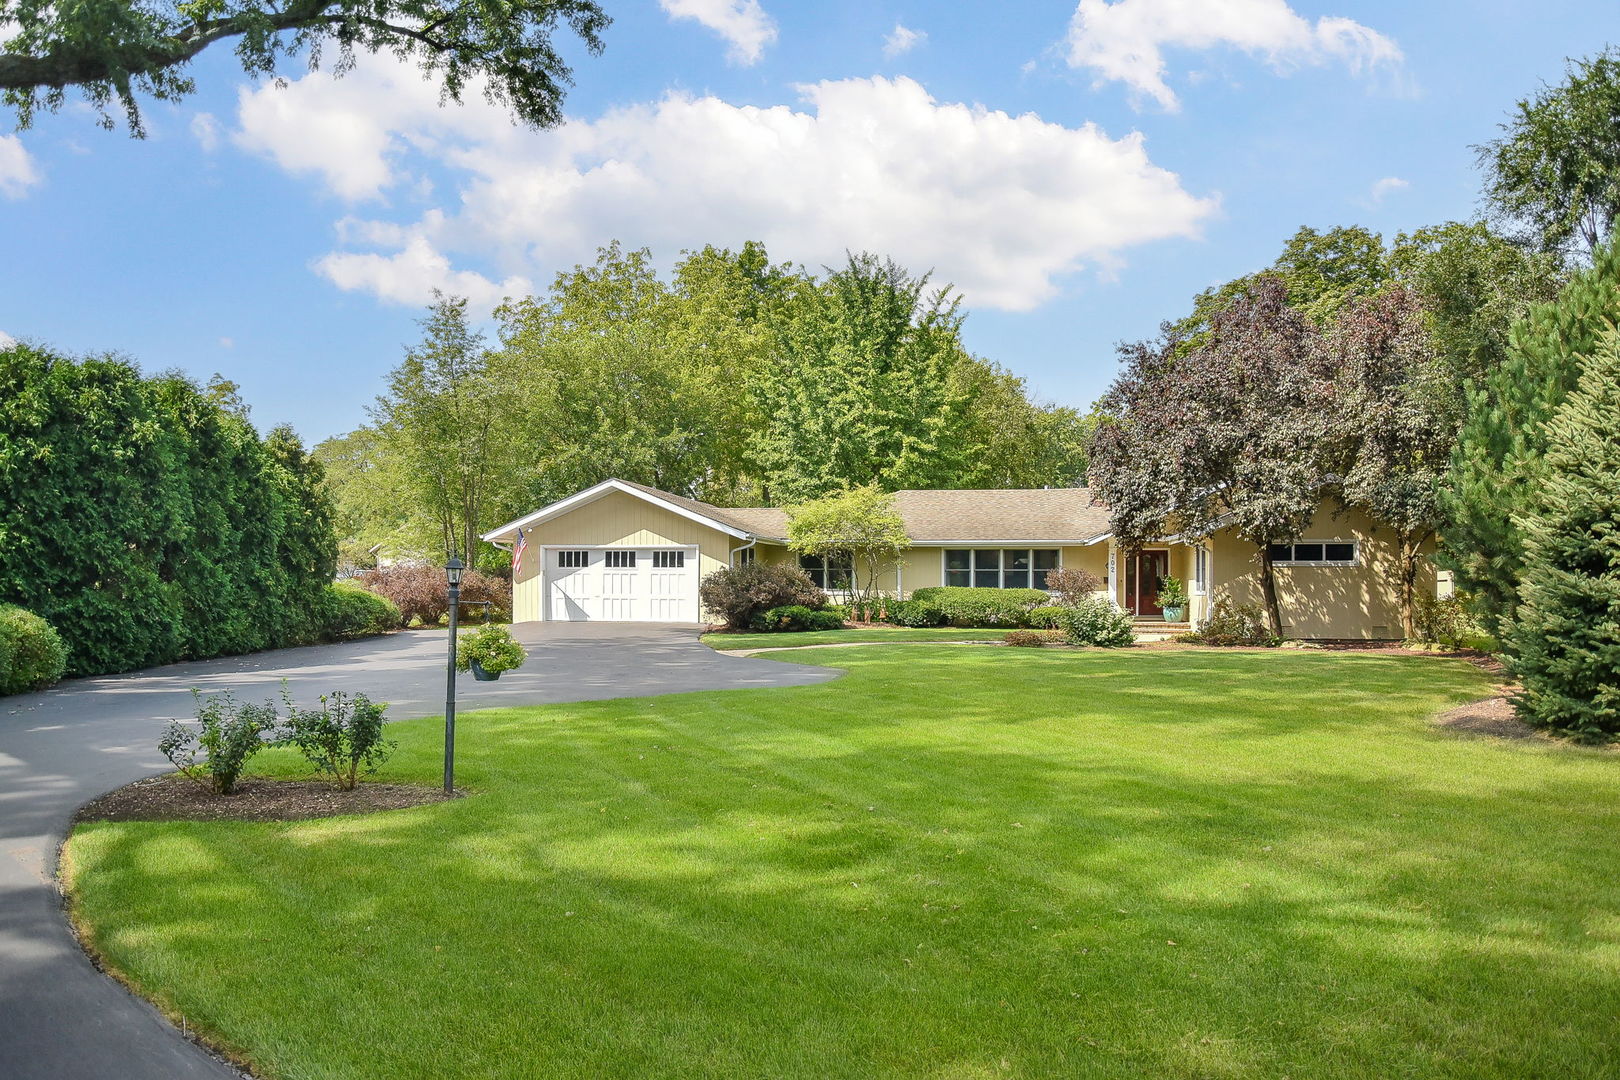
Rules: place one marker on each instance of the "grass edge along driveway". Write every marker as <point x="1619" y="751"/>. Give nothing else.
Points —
<point x="858" y="635"/>
<point x="951" y="863"/>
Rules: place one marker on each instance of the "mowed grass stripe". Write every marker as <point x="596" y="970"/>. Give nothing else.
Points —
<point x="950" y="863"/>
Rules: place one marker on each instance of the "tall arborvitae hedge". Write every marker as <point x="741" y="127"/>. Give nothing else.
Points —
<point x="147" y="522"/>
<point x="1564" y="643"/>
<point x="1504" y="436"/>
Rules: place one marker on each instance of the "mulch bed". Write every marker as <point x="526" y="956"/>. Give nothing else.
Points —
<point x="1493" y="716"/>
<point x="175" y="798"/>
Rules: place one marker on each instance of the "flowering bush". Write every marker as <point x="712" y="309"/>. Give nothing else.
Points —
<point x="1096" y="621"/>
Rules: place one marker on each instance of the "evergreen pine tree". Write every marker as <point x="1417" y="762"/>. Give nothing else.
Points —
<point x="1500" y="447"/>
<point x="1565" y="638"/>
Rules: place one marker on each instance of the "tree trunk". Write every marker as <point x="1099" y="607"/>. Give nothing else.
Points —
<point x="1268" y="589"/>
<point x="1411" y="548"/>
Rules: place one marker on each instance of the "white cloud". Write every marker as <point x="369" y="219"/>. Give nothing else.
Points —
<point x="1003" y="206"/>
<point x="227" y="343"/>
<point x="205" y="129"/>
<point x="1387" y="186"/>
<point x="410" y="275"/>
<point x="6" y="340"/>
<point x="743" y="23"/>
<point x="901" y="40"/>
<point x="18" y="172"/>
<point x="1124" y="40"/>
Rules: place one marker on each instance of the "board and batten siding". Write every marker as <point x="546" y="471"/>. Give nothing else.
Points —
<point x="614" y="520"/>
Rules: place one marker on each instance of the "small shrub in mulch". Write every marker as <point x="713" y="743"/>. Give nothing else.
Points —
<point x="175" y="798"/>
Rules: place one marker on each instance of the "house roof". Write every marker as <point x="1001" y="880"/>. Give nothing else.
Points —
<point x="1019" y="515"/>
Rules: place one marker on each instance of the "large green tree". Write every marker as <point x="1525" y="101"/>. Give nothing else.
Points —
<point x="860" y="387"/>
<point x="443" y="421"/>
<point x="115" y="51"/>
<point x="1555" y="172"/>
<point x="1504" y="435"/>
<point x="1564" y="640"/>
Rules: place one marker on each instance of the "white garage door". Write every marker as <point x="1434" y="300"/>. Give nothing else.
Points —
<point x="621" y="584"/>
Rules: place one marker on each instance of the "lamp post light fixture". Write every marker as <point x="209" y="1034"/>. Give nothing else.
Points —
<point x="452" y="573"/>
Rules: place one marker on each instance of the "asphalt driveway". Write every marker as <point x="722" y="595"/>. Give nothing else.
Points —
<point x="59" y="1017"/>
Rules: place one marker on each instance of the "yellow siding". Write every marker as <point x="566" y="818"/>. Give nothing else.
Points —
<point x="614" y="520"/>
<point x="1361" y="601"/>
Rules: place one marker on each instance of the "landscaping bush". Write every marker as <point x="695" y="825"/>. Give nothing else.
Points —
<point x="1046" y="616"/>
<point x="1096" y="621"/>
<point x="32" y="655"/>
<point x="1034" y="639"/>
<point x="341" y="739"/>
<point x="1070" y="585"/>
<point x="1232" y="624"/>
<point x="914" y="613"/>
<point x="983" y="607"/>
<point x="738" y="593"/>
<point x="421" y="593"/>
<point x="350" y="611"/>
<point x="228" y="734"/>
<point x="492" y="646"/>
<point x="1445" y="622"/>
<point x="796" y="617"/>
<point x="147" y="521"/>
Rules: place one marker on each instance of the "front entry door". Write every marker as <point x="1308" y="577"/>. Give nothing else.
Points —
<point x="1142" y="573"/>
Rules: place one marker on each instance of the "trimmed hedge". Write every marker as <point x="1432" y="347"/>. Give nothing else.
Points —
<point x="914" y="613"/>
<point x="796" y="617"/>
<point x="983" y="607"/>
<point x="32" y="655"/>
<point x="147" y="521"/>
<point x="350" y="611"/>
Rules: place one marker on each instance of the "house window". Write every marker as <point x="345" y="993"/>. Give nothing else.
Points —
<point x="1315" y="553"/>
<point x="621" y="560"/>
<point x="1200" y="582"/>
<point x="829" y="573"/>
<point x="573" y="560"/>
<point x="1000" y="568"/>
<point x="744" y="556"/>
<point x="669" y="560"/>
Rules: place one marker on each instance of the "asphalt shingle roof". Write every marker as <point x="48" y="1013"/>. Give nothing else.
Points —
<point x="934" y="517"/>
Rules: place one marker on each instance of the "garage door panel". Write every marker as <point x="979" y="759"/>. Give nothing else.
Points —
<point x="623" y="585"/>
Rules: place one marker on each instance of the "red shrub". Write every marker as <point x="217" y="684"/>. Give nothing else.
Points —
<point x="420" y="592"/>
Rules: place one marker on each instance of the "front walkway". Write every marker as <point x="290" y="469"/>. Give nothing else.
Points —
<point x="59" y="1017"/>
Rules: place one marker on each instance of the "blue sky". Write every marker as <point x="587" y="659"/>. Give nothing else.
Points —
<point x="1080" y="172"/>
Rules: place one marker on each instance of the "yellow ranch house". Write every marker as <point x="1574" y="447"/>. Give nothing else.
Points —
<point x="623" y="552"/>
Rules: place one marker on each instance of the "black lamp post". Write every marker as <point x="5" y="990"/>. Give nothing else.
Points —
<point x="452" y="573"/>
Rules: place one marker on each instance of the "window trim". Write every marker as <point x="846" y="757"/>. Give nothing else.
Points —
<point x="1354" y="560"/>
<point x="1200" y="574"/>
<point x="1001" y="570"/>
<point x="565" y="561"/>
<point x="672" y="558"/>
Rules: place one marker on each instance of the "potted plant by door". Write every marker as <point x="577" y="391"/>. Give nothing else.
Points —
<point x="1173" y="599"/>
<point x="488" y="651"/>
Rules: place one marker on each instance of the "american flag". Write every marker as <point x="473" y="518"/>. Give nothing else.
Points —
<point x="517" y="554"/>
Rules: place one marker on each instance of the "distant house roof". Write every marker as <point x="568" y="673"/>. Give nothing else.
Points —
<point x="1019" y="515"/>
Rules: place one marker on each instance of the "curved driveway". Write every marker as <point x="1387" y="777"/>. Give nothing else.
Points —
<point x="62" y="1019"/>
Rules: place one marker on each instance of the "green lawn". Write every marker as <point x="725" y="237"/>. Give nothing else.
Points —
<point x="952" y="864"/>
<point x="846" y="637"/>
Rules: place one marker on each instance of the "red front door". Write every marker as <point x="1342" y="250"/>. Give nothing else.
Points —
<point x="1142" y="573"/>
